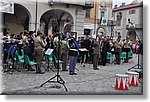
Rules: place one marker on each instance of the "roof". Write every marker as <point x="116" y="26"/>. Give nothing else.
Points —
<point x="128" y="6"/>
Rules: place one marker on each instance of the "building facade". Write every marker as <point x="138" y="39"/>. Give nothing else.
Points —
<point x="47" y="16"/>
<point x="97" y="18"/>
<point x="129" y="20"/>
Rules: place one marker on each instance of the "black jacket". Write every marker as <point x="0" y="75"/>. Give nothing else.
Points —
<point x="105" y="47"/>
<point x="73" y="47"/>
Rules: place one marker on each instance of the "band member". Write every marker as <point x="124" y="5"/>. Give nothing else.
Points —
<point x="73" y="54"/>
<point x="64" y="52"/>
<point x="118" y="46"/>
<point x="39" y="45"/>
<point x="126" y="46"/>
<point x="96" y="52"/>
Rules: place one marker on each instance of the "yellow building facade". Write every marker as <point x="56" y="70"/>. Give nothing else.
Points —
<point x="102" y="8"/>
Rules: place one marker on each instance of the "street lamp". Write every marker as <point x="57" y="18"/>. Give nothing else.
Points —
<point x="111" y="24"/>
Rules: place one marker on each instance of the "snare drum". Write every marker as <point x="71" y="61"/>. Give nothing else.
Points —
<point x="122" y="82"/>
<point x="133" y="78"/>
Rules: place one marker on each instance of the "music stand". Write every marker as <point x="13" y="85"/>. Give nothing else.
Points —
<point x="48" y="53"/>
<point x="57" y="76"/>
<point x="138" y="66"/>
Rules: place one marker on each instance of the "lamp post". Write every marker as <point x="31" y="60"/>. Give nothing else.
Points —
<point x="36" y="6"/>
<point x="111" y="24"/>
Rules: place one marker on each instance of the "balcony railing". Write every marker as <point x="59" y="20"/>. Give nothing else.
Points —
<point x="135" y="27"/>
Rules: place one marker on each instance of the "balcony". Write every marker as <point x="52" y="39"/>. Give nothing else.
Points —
<point x="84" y="3"/>
<point x="111" y="23"/>
<point x="134" y="27"/>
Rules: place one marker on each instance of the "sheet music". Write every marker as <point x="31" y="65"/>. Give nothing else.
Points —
<point x="73" y="49"/>
<point x="83" y="49"/>
<point x="49" y="51"/>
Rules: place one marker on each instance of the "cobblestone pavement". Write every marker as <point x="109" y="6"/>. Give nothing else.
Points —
<point x="88" y="81"/>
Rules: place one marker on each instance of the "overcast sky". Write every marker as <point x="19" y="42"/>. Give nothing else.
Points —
<point x="118" y="2"/>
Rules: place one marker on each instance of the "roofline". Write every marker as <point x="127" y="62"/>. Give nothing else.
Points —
<point x="127" y="6"/>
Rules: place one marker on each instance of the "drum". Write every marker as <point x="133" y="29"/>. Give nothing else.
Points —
<point x="133" y="78"/>
<point x="122" y="82"/>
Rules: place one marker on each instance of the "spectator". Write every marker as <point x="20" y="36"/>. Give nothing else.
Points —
<point x="87" y="45"/>
<point x="104" y="49"/>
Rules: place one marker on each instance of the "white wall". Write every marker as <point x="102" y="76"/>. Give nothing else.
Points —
<point x="137" y="17"/>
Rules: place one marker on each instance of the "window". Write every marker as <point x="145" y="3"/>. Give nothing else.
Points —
<point x="131" y="11"/>
<point x="88" y="11"/>
<point x="103" y="3"/>
<point x="87" y="31"/>
<point x="118" y="19"/>
<point x="102" y="14"/>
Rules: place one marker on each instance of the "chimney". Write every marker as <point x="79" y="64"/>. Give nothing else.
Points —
<point x="123" y="4"/>
<point x="115" y="6"/>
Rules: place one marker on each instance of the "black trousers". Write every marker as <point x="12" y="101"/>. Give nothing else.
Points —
<point x="118" y="55"/>
<point x="104" y="58"/>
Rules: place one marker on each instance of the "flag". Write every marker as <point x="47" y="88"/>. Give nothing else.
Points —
<point x="104" y="21"/>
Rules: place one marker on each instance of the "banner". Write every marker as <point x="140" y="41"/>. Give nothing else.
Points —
<point x="7" y="6"/>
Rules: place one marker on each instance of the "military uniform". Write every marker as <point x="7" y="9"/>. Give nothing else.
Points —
<point x="126" y="47"/>
<point x="118" y="46"/>
<point x="64" y="54"/>
<point x="38" y="53"/>
<point x="96" y="54"/>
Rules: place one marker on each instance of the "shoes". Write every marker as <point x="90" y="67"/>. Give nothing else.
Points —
<point x="31" y="69"/>
<point x="95" y="68"/>
<point x="65" y="70"/>
<point x="72" y="73"/>
<point x="39" y="72"/>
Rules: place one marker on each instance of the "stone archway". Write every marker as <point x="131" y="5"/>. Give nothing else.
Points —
<point x="56" y="20"/>
<point x="132" y="35"/>
<point x="101" y="30"/>
<point x="19" y="20"/>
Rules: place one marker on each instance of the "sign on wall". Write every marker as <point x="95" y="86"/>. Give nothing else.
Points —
<point x="7" y="6"/>
<point x="104" y="21"/>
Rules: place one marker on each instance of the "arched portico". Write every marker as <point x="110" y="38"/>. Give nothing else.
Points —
<point x="17" y="22"/>
<point x="56" y="20"/>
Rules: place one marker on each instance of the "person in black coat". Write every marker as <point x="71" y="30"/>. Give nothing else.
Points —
<point x="31" y="45"/>
<point x="105" y="47"/>
<point x="87" y="45"/>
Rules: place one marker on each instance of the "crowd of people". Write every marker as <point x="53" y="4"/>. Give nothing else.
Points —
<point x="68" y="49"/>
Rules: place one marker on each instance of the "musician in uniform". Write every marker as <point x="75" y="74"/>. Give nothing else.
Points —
<point x="73" y="54"/>
<point x="39" y="44"/>
<point x="126" y="46"/>
<point x="118" y="47"/>
<point x="96" y="52"/>
<point x="64" y="52"/>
